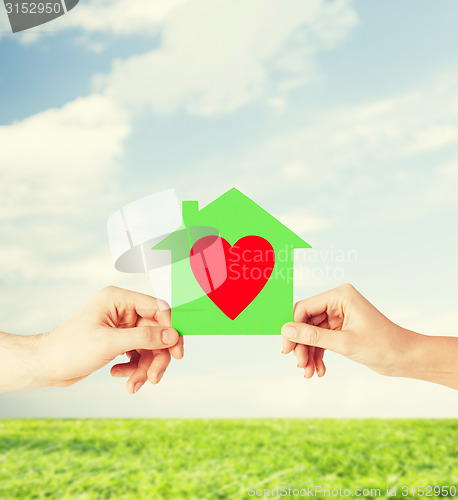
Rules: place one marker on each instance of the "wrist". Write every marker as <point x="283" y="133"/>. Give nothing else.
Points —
<point x="33" y="365"/>
<point x="429" y="358"/>
<point x="435" y="360"/>
<point x="39" y="369"/>
<point x="19" y="365"/>
<point x="406" y="349"/>
<point x="412" y="352"/>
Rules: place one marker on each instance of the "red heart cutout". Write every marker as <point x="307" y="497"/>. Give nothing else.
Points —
<point x="232" y="276"/>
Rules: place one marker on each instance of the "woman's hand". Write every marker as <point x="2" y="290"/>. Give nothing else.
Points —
<point x="343" y="321"/>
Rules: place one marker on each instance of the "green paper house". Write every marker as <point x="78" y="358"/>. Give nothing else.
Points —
<point x="232" y="216"/>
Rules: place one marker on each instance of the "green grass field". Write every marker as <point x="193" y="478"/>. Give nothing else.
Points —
<point x="220" y="459"/>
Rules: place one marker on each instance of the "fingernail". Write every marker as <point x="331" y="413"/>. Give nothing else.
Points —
<point x="169" y="336"/>
<point x="159" y="377"/>
<point x="289" y="332"/>
<point x="138" y="386"/>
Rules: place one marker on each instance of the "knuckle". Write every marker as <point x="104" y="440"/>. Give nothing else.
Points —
<point x="109" y="290"/>
<point x="347" y="287"/>
<point x="297" y="310"/>
<point x="143" y="335"/>
<point x="313" y="335"/>
<point x="162" y="304"/>
<point x="297" y="305"/>
<point x="163" y="354"/>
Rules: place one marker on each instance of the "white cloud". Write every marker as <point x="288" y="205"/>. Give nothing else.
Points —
<point x="4" y="23"/>
<point x="450" y="170"/>
<point x="56" y="160"/>
<point x="442" y="191"/>
<point x="390" y="128"/>
<point x="214" y="57"/>
<point x="278" y="104"/>
<point x="303" y="223"/>
<point x="402" y="146"/>
<point x="434" y="137"/>
<point x="108" y="17"/>
<point x="124" y="17"/>
<point x="217" y="57"/>
<point x="120" y="17"/>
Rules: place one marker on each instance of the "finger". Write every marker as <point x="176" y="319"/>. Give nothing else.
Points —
<point x="120" y="340"/>
<point x="287" y="346"/>
<point x="144" y="305"/>
<point x="319" y="353"/>
<point x="163" y="315"/>
<point x="319" y="363"/>
<point x="158" y="366"/>
<point x="300" y="351"/>
<point x="139" y="377"/>
<point x="177" y="350"/>
<point x="313" y="306"/>
<point x="302" y="355"/>
<point x="309" y="369"/>
<point x="123" y="370"/>
<point x="325" y="324"/>
<point x="126" y="369"/>
<point x="302" y="333"/>
<point x="316" y="320"/>
<point x="319" y="304"/>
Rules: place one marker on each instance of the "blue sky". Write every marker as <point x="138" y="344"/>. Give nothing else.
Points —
<point x="341" y="118"/>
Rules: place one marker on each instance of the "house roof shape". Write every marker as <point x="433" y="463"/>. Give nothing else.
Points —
<point x="231" y="209"/>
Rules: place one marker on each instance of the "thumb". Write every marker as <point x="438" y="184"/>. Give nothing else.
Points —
<point x="302" y="333"/>
<point x="122" y="340"/>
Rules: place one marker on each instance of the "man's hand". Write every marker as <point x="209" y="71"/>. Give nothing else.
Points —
<point x="343" y="321"/>
<point x="114" y="322"/>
